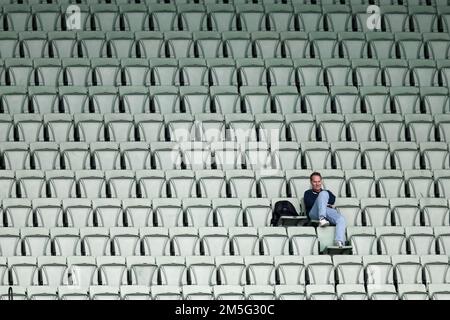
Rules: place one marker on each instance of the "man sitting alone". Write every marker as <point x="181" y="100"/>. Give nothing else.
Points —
<point x="319" y="205"/>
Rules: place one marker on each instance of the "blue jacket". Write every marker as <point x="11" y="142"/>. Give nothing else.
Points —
<point x="309" y="197"/>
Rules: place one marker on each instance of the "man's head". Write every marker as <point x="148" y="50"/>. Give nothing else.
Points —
<point x="316" y="181"/>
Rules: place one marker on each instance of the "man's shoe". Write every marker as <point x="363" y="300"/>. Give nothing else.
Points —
<point x="339" y="244"/>
<point x="324" y="222"/>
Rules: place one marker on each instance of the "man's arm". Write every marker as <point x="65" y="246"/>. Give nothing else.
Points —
<point x="307" y="199"/>
<point x="331" y="198"/>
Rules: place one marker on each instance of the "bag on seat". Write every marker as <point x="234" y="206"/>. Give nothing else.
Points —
<point x="283" y="209"/>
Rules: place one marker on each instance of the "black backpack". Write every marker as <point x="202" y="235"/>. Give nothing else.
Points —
<point x="282" y="208"/>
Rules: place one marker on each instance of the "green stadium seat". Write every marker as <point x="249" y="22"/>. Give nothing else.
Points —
<point x="286" y="99"/>
<point x="47" y="16"/>
<point x="350" y="210"/>
<point x="422" y="18"/>
<point x="104" y="99"/>
<point x="19" y="71"/>
<point x="251" y="17"/>
<point x="410" y="45"/>
<point x="349" y="271"/>
<point x="179" y="44"/>
<point x="281" y="17"/>
<point x="260" y="272"/>
<point x="434" y="269"/>
<point x="353" y="45"/>
<point x="435" y="99"/>
<point x="405" y="211"/>
<point x="437" y="45"/>
<point x="337" y="17"/>
<point x="316" y="100"/>
<point x="351" y="292"/>
<point x="193" y="17"/>
<point x="93" y="44"/>
<point x="163" y="16"/>
<point x="33" y="44"/>
<point x="423" y="72"/>
<point x="9" y="44"/>
<point x="435" y="211"/>
<point x="390" y="183"/>
<point x="271" y="127"/>
<point x="222" y="16"/>
<point x="61" y="183"/>
<point x="421" y="127"/>
<point x="290" y="292"/>
<point x="394" y="18"/>
<point x="405" y="155"/>
<point x="17" y="16"/>
<point x="242" y="183"/>
<point x="91" y="182"/>
<point x="23" y="271"/>
<point x="193" y="72"/>
<point x="331" y="127"/>
<point x="309" y="17"/>
<point x="30" y="127"/>
<point x="135" y="99"/>
<point x="320" y="292"/>
<point x="164" y="72"/>
<point x="304" y="241"/>
<point x="135" y="16"/>
<point x="266" y="44"/>
<point x="323" y="45"/>
<point x="295" y="44"/>
<point x="166" y="155"/>
<point x="367" y="72"/>
<point x="256" y="100"/>
<point x="241" y="127"/>
<point x="77" y="72"/>
<point x="319" y="270"/>
<point x="390" y="127"/>
<point x="45" y="155"/>
<point x="381" y="45"/>
<point x="421" y="240"/>
<point x="135" y="292"/>
<point x="149" y="44"/>
<point x="316" y="155"/>
<point x="121" y="44"/>
<point x="165" y="98"/>
<point x="75" y="155"/>
<point x="16" y="155"/>
<point x="346" y="155"/>
<point x="208" y="44"/>
<point x="395" y="73"/>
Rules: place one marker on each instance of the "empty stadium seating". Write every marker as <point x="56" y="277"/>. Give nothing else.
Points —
<point x="144" y="144"/>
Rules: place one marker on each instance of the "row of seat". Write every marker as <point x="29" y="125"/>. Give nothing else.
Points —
<point x="272" y="131"/>
<point x="202" y="101"/>
<point x="168" y="100"/>
<point x="216" y="128"/>
<point x="212" y="2"/>
<point x="397" y="240"/>
<point x="230" y="44"/>
<point x="223" y="17"/>
<point x="82" y="272"/>
<point x="257" y="157"/>
<point x="249" y="292"/>
<point x="225" y="292"/>
<point x="224" y="156"/>
<point x="157" y="241"/>
<point x="225" y="72"/>
<point x="43" y="212"/>
<point x="262" y="181"/>
<point x="216" y="241"/>
<point x="231" y="183"/>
